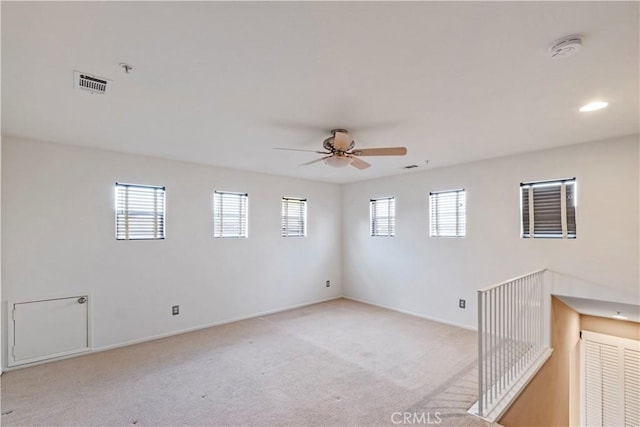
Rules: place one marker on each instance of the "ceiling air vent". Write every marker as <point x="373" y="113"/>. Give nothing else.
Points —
<point x="91" y="83"/>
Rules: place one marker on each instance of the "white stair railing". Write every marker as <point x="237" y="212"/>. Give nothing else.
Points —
<point x="513" y="340"/>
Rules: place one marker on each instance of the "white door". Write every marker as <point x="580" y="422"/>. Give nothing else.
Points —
<point x="49" y="328"/>
<point x="611" y="380"/>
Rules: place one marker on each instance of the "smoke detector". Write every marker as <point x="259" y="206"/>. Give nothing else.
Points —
<point x="90" y="83"/>
<point x="566" y="46"/>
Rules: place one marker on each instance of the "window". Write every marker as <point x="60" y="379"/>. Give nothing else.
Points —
<point x="549" y="209"/>
<point x="139" y="212"/>
<point x="383" y="217"/>
<point x="230" y="214"/>
<point x="294" y="217"/>
<point x="448" y="213"/>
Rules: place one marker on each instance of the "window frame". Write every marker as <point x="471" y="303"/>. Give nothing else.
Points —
<point x="390" y="218"/>
<point x="219" y="228"/>
<point x="567" y="229"/>
<point x="158" y="212"/>
<point x="434" y="229"/>
<point x="286" y="231"/>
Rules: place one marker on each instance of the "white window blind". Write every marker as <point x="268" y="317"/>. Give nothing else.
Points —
<point x="549" y="209"/>
<point x="294" y="217"/>
<point x="611" y="372"/>
<point x="230" y="214"/>
<point x="383" y="217"/>
<point x="140" y="211"/>
<point x="448" y="216"/>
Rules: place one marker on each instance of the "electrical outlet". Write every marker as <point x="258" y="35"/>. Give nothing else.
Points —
<point x="462" y="303"/>
<point x="328" y="283"/>
<point x="175" y="309"/>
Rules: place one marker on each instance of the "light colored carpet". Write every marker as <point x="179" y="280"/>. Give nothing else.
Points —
<point x="339" y="363"/>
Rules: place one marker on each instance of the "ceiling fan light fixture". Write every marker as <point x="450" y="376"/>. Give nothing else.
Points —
<point x="339" y="161"/>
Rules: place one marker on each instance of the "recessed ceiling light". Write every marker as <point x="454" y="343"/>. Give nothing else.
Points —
<point x="593" y="106"/>
<point x="619" y="315"/>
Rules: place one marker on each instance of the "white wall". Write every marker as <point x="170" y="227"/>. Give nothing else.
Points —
<point x="2" y="321"/>
<point x="427" y="276"/>
<point x="58" y="239"/>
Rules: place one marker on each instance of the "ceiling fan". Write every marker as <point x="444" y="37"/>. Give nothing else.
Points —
<point x="340" y="151"/>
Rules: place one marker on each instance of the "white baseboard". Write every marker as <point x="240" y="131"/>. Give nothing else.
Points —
<point x="411" y="313"/>
<point x="170" y="334"/>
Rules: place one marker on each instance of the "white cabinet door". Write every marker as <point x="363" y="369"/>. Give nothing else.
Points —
<point x="49" y="328"/>
<point x="611" y="380"/>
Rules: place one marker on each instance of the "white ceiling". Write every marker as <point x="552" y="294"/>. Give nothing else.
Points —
<point x="225" y="83"/>
<point x="602" y="308"/>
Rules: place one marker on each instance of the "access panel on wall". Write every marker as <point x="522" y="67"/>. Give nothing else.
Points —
<point x="49" y="328"/>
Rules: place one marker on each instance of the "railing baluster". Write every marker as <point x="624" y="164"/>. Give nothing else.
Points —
<point x="480" y="358"/>
<point x="536" y="325"/>
<point x="529" y="318"/>
<point x="500" y="324"/>
<point x="526" y="321"/>
<point x="518" y="317"/>
<point x="498" y="341"/>
<point x="511" y="331"/>
<point x="486" y="347"/>
<point x="508" y="336"/>
<point x="503" y="364"/>
<point x="512" y="334"/>
<point x="540" y="310"/>
<point x="493" y="344"/>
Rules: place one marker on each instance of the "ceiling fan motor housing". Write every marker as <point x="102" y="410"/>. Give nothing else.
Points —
<point x="328" y="143"/>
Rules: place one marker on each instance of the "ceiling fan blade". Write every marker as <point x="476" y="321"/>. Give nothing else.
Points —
<point x="341" y="141"/>
<point x="308" y="151"/>
<point x="359" y="163"/>
<point x="314" y="161"/>
<point x="388" y="151"/>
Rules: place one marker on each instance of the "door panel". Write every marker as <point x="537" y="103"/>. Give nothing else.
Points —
<point x="49" y="328"/>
